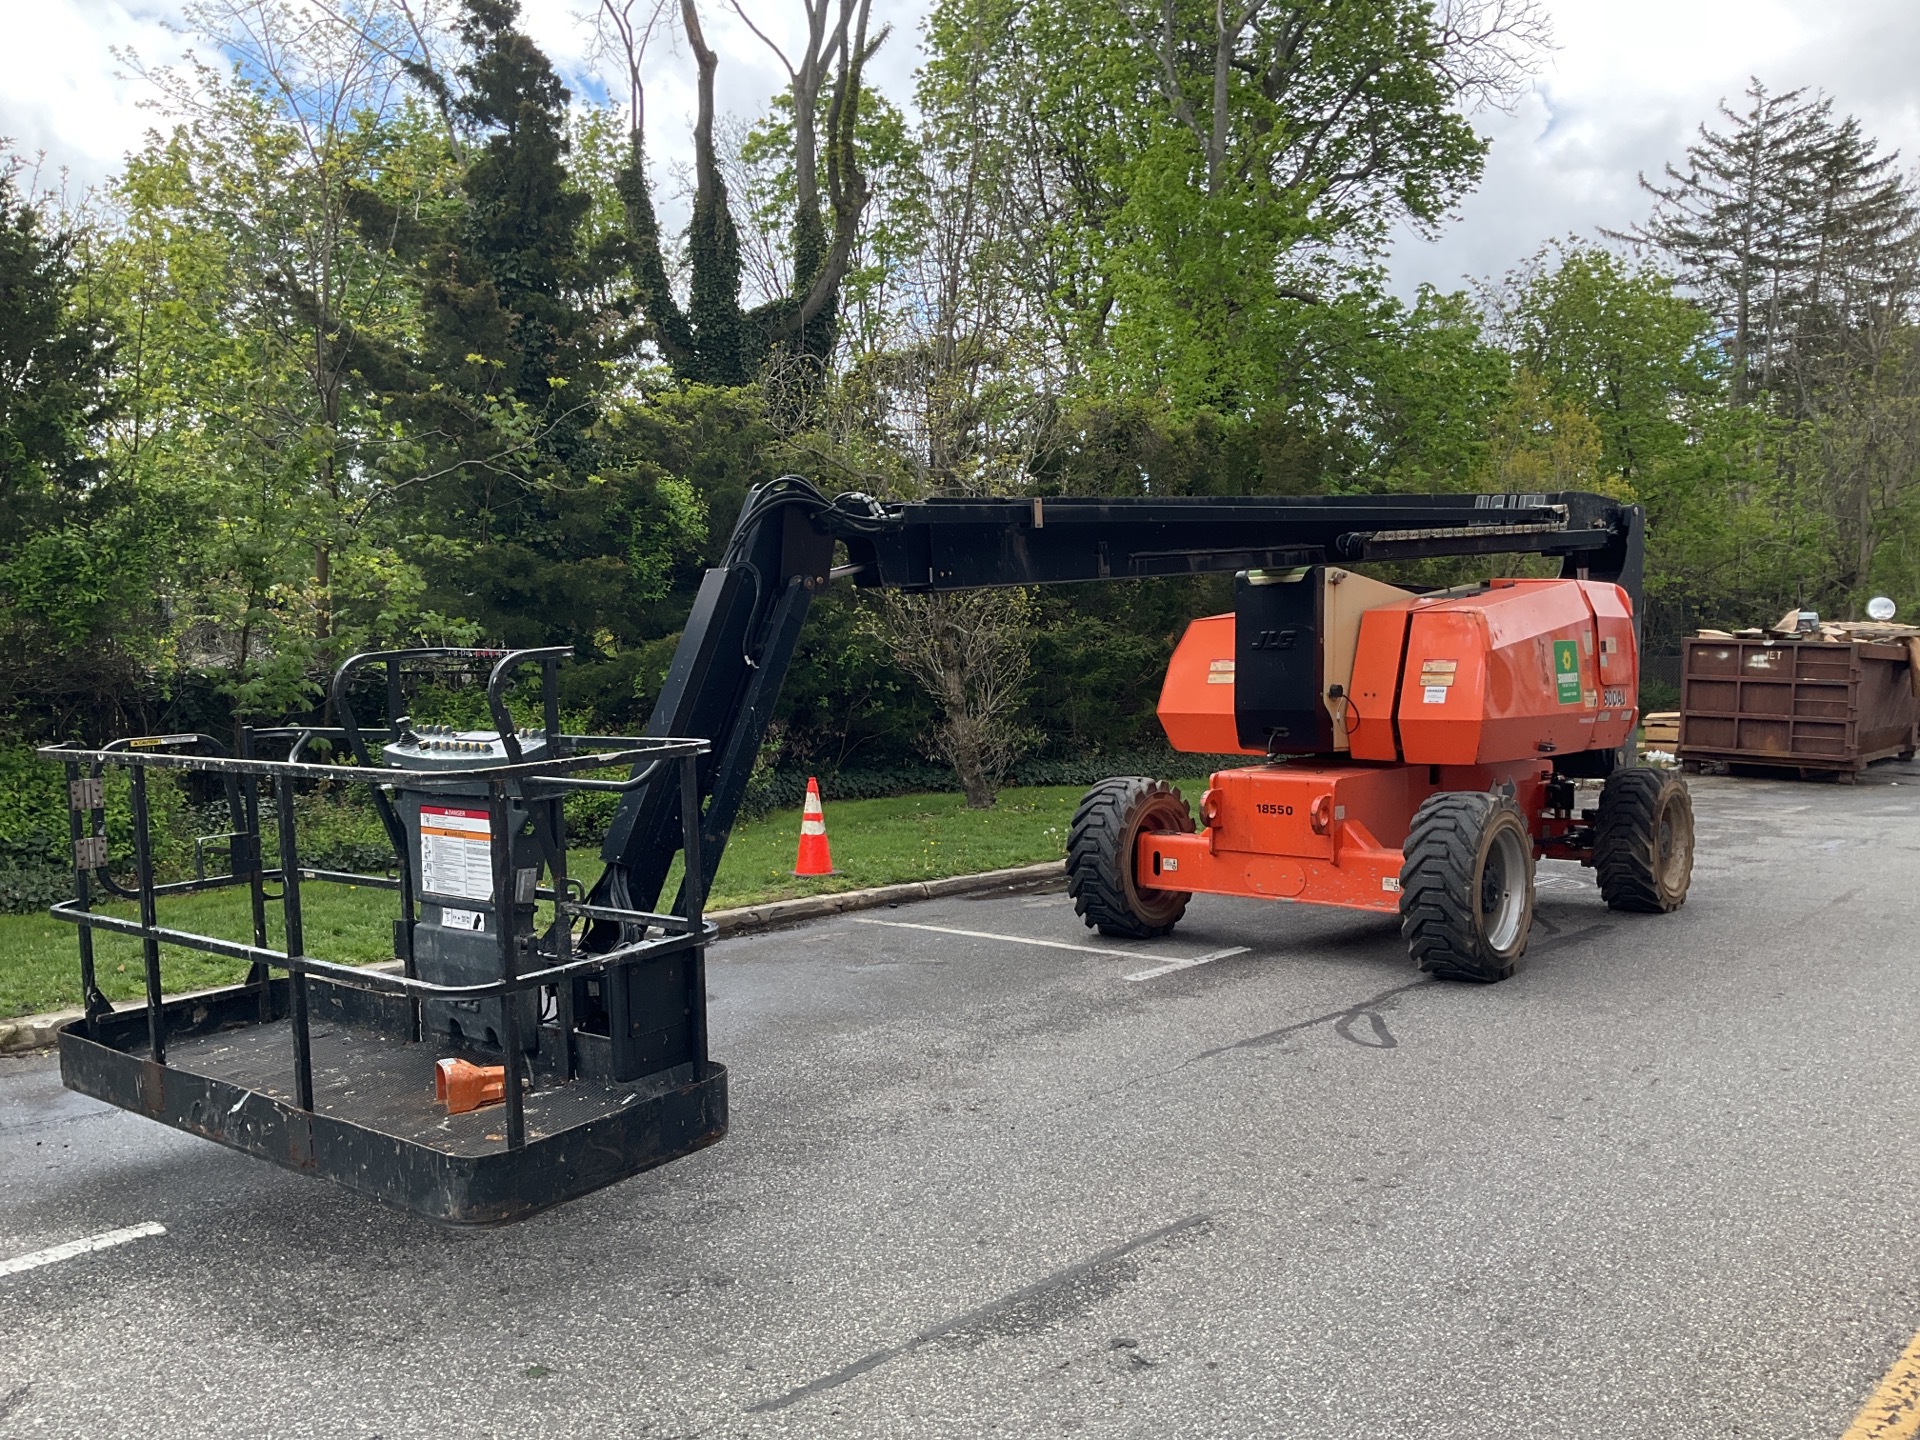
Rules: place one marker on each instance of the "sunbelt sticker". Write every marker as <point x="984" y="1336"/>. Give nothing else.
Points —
<point x="1566" y="670"/>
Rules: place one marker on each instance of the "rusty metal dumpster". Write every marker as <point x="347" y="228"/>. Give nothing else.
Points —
<point x="1818" y="707"/>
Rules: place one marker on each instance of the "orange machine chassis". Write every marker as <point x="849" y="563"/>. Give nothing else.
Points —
<point x="1294" y="830"/>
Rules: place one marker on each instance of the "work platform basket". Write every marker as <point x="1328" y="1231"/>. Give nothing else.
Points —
<point x="326" y="1067"/>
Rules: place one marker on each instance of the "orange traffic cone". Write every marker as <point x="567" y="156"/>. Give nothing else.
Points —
<point x="463" y="1087"/>
<point x="815" y="857"/>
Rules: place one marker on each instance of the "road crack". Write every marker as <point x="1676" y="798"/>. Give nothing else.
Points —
<point x="1026" y="1311"/>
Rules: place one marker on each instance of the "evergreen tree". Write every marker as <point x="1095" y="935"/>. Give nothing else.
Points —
<point x="536" y="525"/>
<point x="1862" y="243"/>
<point x="1788" y="227"/>
<point x="77" y="583"/>
<point x="53" y="363"/>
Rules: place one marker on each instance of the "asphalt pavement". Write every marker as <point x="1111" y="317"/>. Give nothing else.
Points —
<point x="1659" y="1184"/>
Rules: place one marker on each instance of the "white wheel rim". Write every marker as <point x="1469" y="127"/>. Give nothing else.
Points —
<point x="1503" y="890"/>
<point x="1672" y="845"/>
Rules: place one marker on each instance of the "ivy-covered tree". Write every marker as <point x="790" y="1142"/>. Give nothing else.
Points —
<point x="714" y="338"/>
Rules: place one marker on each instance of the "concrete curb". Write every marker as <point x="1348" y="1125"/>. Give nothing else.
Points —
<point x="32" y="1032"/>
<point x="749" y="919"/>
<point x="26" y="1033"/>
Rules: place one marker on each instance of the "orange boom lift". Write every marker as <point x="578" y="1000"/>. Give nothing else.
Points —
<point x="1406" y="752"/>
<point x="1417" y="754"/>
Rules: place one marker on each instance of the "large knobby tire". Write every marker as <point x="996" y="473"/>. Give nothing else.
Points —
<point x="1466" y="886"/>
<point x="1100" y="850"/>
<point x="1643" y="840"/>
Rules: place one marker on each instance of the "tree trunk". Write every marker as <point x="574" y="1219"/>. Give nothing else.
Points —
<point x="323" y="593"/>
<point x="969" y="767"/>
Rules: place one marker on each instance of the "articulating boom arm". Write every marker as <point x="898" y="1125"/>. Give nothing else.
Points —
<point x="739" y="640"/>
<point x="969" y="544"/>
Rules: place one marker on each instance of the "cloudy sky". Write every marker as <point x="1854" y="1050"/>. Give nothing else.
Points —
<point x="1621" y="93"/>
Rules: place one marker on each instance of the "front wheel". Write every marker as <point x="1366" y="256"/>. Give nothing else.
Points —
<point x="1643" y="841"/>
<point x="1466" y="886"/>
<point x="1100" y="851"/>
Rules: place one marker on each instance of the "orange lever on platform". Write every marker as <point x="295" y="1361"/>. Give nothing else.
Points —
<point x="465" y="1087"/>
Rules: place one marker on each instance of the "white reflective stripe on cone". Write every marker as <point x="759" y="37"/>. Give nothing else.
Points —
<point x="811" y="826"/>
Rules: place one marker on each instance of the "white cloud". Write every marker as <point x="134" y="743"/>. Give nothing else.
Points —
<point x="1625" y="93"/>
<point x="62" y="91"/>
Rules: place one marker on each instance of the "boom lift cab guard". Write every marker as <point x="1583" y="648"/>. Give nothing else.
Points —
<point x="1407" y="752"/>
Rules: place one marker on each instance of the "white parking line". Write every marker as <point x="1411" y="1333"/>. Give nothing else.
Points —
<point x="1173" y="965"/>
<point x="987" y="935"/>
<point x="1164" y="969"/>
<point x="105" y="1240"/>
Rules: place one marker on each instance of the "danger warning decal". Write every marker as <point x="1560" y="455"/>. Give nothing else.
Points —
<point x="456" y="852"/>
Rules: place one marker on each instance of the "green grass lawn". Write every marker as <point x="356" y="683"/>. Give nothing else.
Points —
<point x="875" y="842"/>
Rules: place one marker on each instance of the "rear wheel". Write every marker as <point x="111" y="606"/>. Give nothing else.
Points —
<point x="1466" y="886"/>
<point x="1100" y="850"/>
<point x="1643" y="841"/>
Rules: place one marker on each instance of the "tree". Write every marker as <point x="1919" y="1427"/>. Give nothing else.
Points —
<point x="244" y="288"/>
<point x="1192" y="181"/>
<point x="946" y="377"/>
<point x="1607" y="346"/>
<point x="1788" y="227"/>
<point x="1864" y="448"/>
<point x="970" y="652"/>
<point x="78" y="560"/>
<point x="1803" y="242"/>
<point x="1540" y="442"/>
<point x="542" y="519"/>
<point x="1616" y="339"/>
<point x="712" y="338"/>
<point x="762" y="177"/>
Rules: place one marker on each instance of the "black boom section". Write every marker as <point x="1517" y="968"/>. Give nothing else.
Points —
<point x="723" y="683"/>
<point x="739" y="640"/>
<point x="970" y="544"/>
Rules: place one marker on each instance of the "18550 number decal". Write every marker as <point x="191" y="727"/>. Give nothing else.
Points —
<point x="1273" y="809"/>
